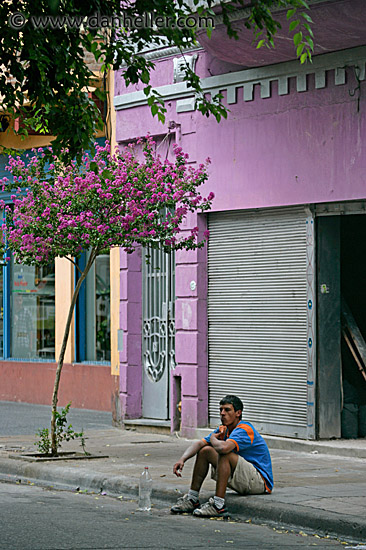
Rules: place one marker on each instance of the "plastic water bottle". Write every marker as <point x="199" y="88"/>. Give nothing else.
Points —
<point x="145" y="488"/>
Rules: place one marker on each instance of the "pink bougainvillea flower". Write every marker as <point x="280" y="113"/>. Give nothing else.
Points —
<point x="125" y="199"/>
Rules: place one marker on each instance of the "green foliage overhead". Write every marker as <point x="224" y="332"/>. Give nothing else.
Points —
<point x="43" y="59"/>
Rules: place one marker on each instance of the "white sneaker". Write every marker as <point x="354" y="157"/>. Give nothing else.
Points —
<point x="209" y="510"/>
<point x="184" y="505"/>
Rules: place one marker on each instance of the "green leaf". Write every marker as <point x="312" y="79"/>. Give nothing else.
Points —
<point x="303" y="57"/>
<point x="94" y="167"/>
<point x="291" y="13"/>
<point x="154" y="109"/>
<point x="100" y="93"/>
<point x="294" y="24"/>
<point x="310" y="42"/>
<point x="307" y="17"/>
<point x="260" y="44"/>
<point x="308" y="28"/>
<point x="299" y="49"/>
<point x="145" y="76"/>
<point x="297" y="38"/>
<point x="107" y="175"/>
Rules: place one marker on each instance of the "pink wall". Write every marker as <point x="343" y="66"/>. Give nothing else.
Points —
<point x="131" y="324"/>
<point x="292" y="149"/>
<point x="298" y="148"/>
<point x="191" y="332"/>
<point x="86" y="386"/>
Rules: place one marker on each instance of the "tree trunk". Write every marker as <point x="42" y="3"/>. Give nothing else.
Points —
<point x="63" y="349"/>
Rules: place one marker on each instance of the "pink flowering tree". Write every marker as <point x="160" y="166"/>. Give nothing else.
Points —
<point x="110" y="200"/>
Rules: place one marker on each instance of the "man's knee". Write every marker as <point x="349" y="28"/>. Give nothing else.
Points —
<point x="208" y="453"/>
<point x="230" y="459"/>
<point x="225" y="456"/>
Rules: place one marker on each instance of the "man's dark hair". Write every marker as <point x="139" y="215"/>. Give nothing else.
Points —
<point x="234" y="401"/>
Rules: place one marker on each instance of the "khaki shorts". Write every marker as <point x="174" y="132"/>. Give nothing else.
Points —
<point x="246" y="479"/>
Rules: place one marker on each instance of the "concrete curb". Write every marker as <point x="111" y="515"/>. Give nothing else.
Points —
<point x="256" y="508"/>
<point x="347" y="448"/>
<point x="301" y="517"/>
<point x="355" y="449"/>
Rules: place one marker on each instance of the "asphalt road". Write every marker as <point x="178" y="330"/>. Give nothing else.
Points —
<point x="35" y="518"/>
<point x="26" y="419"/>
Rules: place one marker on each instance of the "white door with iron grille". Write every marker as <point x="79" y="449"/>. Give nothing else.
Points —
<point x="158" y="332"/>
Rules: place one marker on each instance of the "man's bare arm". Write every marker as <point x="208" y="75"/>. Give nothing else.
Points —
<point x="221" y="447"/>
<point x="192" y="450"/>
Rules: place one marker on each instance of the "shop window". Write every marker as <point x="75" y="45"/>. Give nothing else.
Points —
<point x="32" y="312"/>
<point x="93" y="330"/>
<point x="27" y="316"/>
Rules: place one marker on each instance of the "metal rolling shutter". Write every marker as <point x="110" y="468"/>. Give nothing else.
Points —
<point x="257" y="313"/>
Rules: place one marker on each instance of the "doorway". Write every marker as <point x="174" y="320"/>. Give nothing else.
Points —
<point x="341" y="322"/>
<point x="353" y="321"/>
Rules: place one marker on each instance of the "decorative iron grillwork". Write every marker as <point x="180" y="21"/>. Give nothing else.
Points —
<point x="158" y="313"/>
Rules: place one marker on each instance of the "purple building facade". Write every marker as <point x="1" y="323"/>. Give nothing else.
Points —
<point x="260" y="311"/>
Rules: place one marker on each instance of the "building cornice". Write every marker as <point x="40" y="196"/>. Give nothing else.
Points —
<point x="156" y="52"/>
<point x="160" y="53"/>
<point x="262" y="76"/>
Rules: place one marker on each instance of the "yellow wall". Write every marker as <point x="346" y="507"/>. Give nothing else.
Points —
<point x="115" y="252"/>
<point x="64" y="270"/>
<point x="10" y="140"/>
<point x="64" y="286"/>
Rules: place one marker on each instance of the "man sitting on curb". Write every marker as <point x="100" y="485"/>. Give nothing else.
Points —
<point x="239" y="459"/>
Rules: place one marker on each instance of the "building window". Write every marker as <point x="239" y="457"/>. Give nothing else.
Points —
<point x="27" y="293"/>
<point x="32" y="312"/>
<point x="93" y="332"/>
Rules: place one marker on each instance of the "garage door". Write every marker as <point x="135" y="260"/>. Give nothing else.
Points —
<point x="260" y="314"/>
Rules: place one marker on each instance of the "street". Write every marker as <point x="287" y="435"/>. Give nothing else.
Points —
<point x="27" y="419"/>
<point x="36" y="518"/>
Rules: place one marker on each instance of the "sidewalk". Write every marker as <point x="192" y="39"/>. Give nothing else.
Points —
<point x="319" y="492"/>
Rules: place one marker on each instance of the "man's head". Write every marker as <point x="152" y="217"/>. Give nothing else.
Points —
<point x="234" y="401"/>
